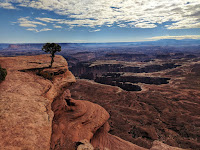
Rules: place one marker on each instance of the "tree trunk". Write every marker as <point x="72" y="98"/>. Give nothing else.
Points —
<point x="52" y="60"/>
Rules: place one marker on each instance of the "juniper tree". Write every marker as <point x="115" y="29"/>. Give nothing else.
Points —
<point x="51" y="48"/>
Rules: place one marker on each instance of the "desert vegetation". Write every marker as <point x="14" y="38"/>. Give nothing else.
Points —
<point x="51" y="48"/>
<point x="3" y="73"/>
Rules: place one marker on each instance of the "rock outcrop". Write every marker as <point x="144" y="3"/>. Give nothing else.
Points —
<point x="84" y="145"/>
<point x="75" y="120"/>
<point x="26" y="115"/>
<point x="38" y="112"/>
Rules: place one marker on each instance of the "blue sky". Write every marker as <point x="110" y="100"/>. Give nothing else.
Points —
<point x="84" y="21"/>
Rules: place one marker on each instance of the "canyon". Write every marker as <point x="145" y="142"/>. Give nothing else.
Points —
<point x="38" y="111"/>
<point x="168" y="112"/>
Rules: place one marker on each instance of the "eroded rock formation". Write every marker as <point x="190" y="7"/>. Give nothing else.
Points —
<point x="26" y="115"/>
<point x="75" y="120"/>
<point x="166" y="112"/>
<point x="39" y="113"/>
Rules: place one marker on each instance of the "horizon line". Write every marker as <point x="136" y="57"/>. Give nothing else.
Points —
<point x="93" y="42"/>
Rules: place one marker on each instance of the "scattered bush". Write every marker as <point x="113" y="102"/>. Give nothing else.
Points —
<point x="3" y="74"/>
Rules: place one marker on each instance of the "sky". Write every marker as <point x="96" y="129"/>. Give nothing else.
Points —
<point x="89" y="21"/>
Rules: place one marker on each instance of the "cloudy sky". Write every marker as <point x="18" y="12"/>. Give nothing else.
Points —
<point x="25" y="21"/>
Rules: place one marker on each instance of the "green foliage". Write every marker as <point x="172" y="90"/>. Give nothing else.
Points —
<point x="3" y="74"/>
<point x="51" y="48"/>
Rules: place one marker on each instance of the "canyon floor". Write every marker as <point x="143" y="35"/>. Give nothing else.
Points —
<point x="166" y="112"/>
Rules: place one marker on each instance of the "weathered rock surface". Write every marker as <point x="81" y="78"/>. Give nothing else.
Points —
<point x="75" y="120"/>
<point x="25" y="107"/>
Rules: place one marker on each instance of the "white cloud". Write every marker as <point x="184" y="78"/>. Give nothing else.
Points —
<point x="25" y="22"/>
<point x="122" y="25"/>
<point x="34" y="29"/>
<point x="55" y="26"/>
<point x="175" y="37"/>
<point x="7" y="6"/>
<point x="31" y="25"/>
<point x="48" y="19"/>
<point x="95" y="30"/>
<point x="184" y="24"/>
<point x="135" y="13"/>
<point x="27" y="25"/>
<point x="45" y="29"/>
<point x="145" y="25"/>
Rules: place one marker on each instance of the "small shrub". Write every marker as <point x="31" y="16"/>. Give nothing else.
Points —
<point x="3" y="74"/>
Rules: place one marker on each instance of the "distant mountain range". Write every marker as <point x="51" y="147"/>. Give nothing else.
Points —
<point x="172" y="42"/>
<point x="163" y="42"/>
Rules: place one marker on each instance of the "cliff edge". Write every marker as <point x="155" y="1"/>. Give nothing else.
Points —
<point x="25" y="107"/>
<point x="37" y="111"/>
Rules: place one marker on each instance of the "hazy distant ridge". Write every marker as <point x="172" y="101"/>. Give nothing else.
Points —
<point x="164" y="42"/>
